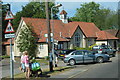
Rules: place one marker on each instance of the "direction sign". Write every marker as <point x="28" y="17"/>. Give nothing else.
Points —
<point x="9" y="28"/>
<point x="9" y="35"/>
<point x="9" y="15"/>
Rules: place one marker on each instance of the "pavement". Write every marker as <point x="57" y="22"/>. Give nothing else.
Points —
<point x="5" y="69"/>
<point x="71" y="73"/>
<point x="77" y="69"/>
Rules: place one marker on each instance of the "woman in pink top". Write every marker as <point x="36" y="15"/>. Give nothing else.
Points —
<point x="26" y="58"/>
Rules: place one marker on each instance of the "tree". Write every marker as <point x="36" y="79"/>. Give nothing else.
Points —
<point x="87" y="12"/>
<point x="27" y="41"/>
<point x="34" y="10"/>
<point x="91" y="12"/>
<point x="101" y="18"/>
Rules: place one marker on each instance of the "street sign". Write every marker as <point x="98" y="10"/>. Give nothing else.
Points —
<point x="9" y="35"/>
<point x="9" y="16"/>
<point x="9" y="28"/>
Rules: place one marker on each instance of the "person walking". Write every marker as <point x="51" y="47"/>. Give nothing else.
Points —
<point x="26" y="58"/>
<point x="56" y="58"/>
<point x="22" y="65"/>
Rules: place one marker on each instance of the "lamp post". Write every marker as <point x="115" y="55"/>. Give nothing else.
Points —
<point x="56" y="6"/>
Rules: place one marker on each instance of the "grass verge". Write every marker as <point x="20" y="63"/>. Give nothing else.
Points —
<point x="46" y="74"/>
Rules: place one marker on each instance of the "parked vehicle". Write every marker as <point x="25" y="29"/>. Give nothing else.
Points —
<point x="105" y="49"/>
<point x="83" y="56"/>
<point x="65" y="52"/>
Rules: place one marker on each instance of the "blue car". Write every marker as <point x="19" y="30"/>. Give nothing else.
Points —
<point x="85" y="56"/>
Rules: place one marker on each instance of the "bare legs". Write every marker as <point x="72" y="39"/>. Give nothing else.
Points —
<point x="27" y="74"/>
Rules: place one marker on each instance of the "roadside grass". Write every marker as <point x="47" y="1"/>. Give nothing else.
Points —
<point x="42" y="61"/>
<point x="46" y="73"/>
<point x="5" y="56"/>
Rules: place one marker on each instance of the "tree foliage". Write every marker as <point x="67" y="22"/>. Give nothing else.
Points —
<point x="91" y="12"/>
<point x="27" y="41"/>
<point x="34" y="10"/>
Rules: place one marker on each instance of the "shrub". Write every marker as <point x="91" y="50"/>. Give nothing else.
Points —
<point x="5" y="56"/>
<point x="78" y="48"/>
<point x="46" y="57"/>
<point x="92" y="46"/>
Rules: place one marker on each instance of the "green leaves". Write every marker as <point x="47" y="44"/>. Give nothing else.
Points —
<point x="91" y="12"/>
<point x="27" y="42"/>
<point x="35" y="10"/>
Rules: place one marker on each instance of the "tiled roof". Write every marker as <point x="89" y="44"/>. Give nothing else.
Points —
<point x="62" y="31"/>
<point x="112" y="31"/>
<point x="103" y="35"/>
<point x="88" y="29"/>
<point x="63" y="12"/>
<point x="65" y="30"/>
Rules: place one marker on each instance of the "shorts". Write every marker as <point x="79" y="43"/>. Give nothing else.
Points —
<point x="23" y="65"/>
<point x="27" y="65"/>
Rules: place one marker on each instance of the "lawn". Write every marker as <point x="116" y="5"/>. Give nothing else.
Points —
<point x="46" y="73"/>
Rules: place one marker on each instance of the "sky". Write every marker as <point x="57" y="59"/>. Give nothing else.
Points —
<point x="69" y="6"/>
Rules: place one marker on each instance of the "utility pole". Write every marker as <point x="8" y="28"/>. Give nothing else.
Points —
<point x="49" y="37"/>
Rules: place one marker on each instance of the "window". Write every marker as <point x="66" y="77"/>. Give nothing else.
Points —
<point x="87" y="52"/>
<point x="60" y="46"/>
<point x="77" y="40"/>
<point x="41" y="46"/>
<point x="78" y="53"/>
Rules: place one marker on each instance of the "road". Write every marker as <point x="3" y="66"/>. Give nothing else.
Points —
<point x="92" y="71"/>
<point x="104" y="70"/>
<point x="5" y="67"/>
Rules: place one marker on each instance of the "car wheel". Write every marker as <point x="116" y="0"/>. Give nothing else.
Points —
<point x="72" y="62"/>
<point x="100" y="60"/>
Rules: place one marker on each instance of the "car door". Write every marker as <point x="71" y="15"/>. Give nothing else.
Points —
<point x="88" y="56"/>
<point x="79" y="56"/>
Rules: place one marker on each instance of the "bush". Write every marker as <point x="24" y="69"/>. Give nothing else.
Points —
<point x="5" y="56"/>
<point x="78" y="48"/>
<point x="92" y="46"/>
<point x="46" y="57"/>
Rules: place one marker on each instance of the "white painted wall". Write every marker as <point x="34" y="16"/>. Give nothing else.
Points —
<point x="22" y="25"/>
<point x="110" y="43"/>
<point x="101" y="42"/>
<point x="42" y="50"/>
<point x="40" y="53"/>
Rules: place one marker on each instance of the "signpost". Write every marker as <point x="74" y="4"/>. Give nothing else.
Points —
<point x="9" y="16"/>
<point x="9" y="29"/>
<point x="9" y="35"/>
